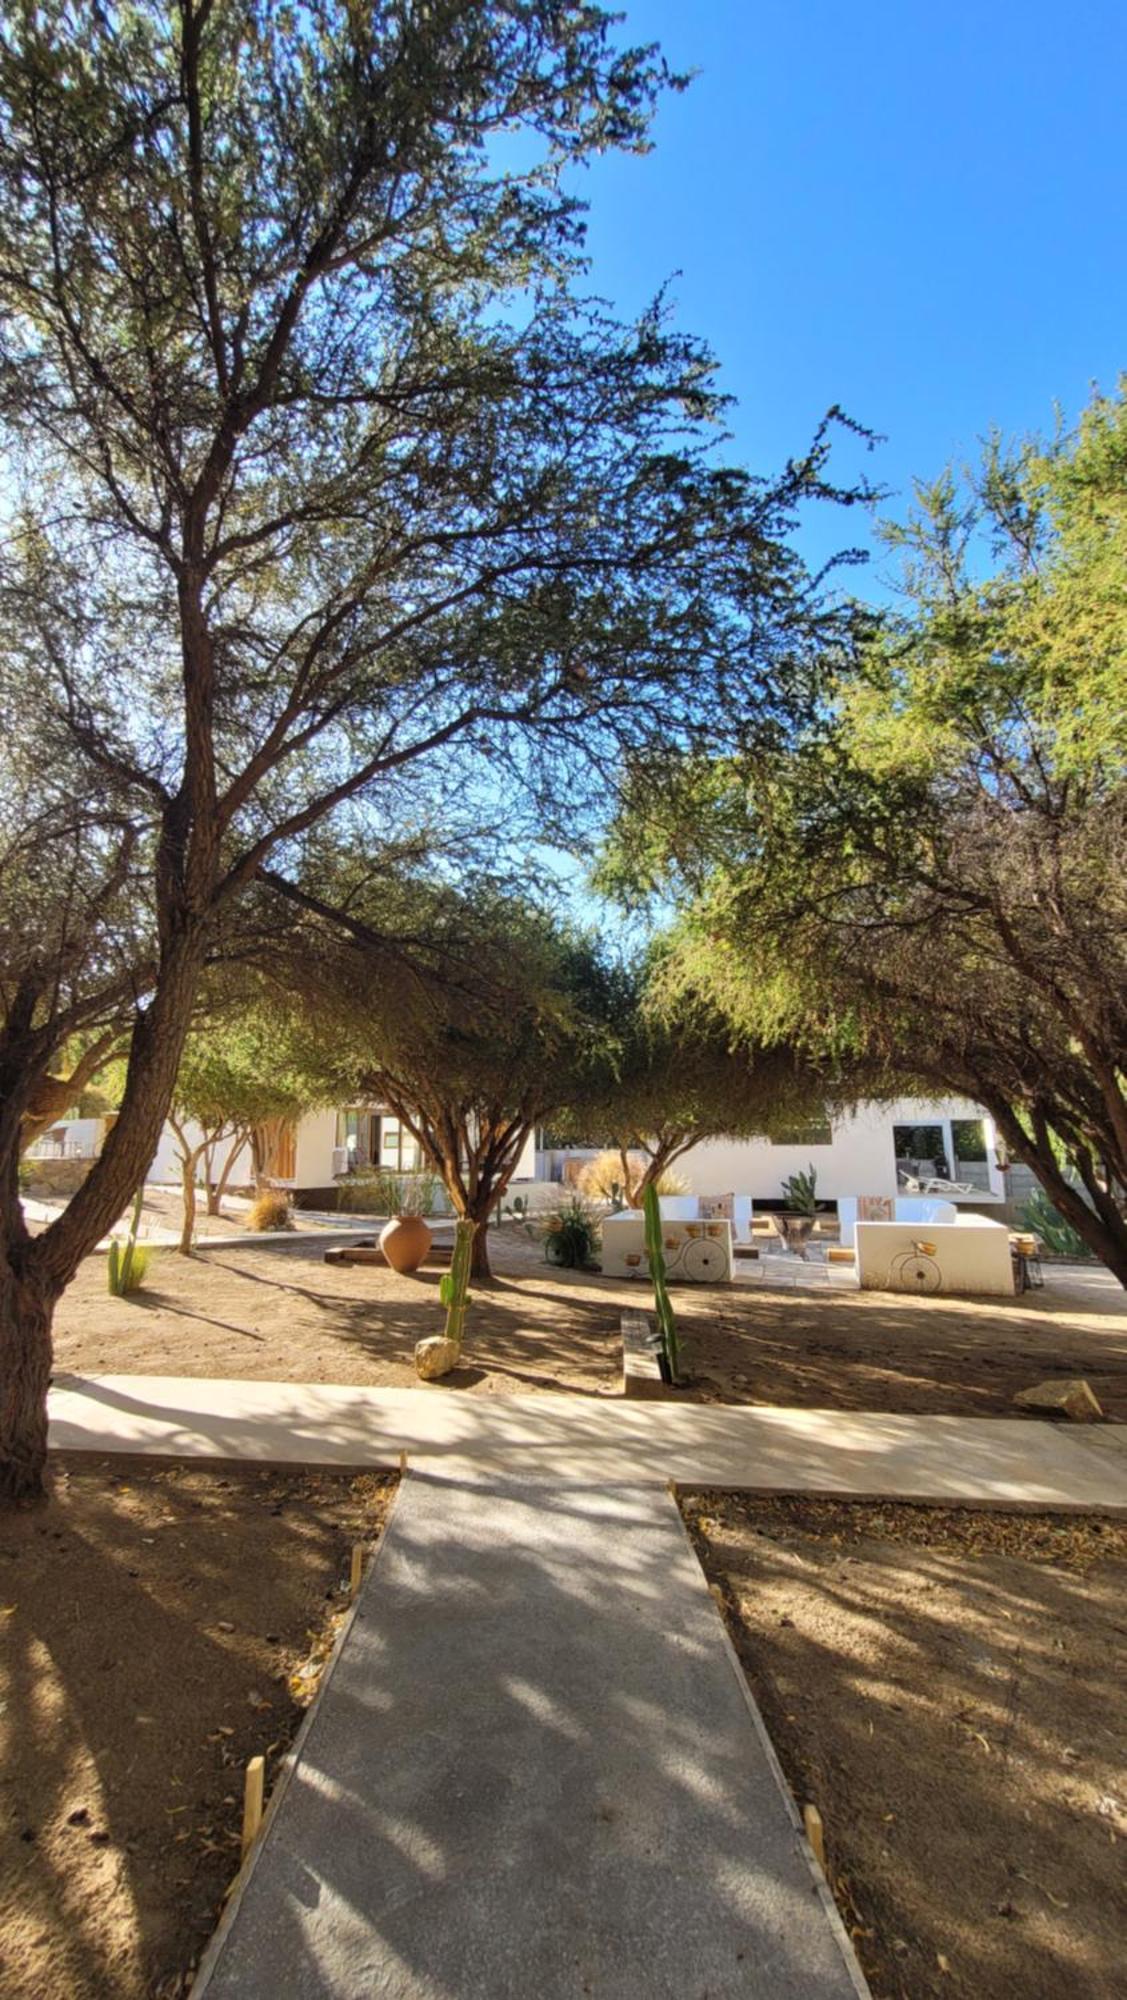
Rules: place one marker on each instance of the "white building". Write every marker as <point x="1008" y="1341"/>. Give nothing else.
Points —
<point x="869" y="1151"/>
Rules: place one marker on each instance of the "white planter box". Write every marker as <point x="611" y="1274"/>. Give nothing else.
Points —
<point x="696" y="1253"/>
<point x="902" y="1208"/>
<point x="971" y="1255"/>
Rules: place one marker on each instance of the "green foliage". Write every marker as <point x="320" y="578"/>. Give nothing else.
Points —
<point x="571" y="1236"/>
<point x="800" y="1192"/>
<point x="666" y="1318"/>
<point x="246" y="1062"/>
<point x="1058" y="1236"/>
<point x="454" y="1285"/>
<point x="929" y="882"/>
<point x="379" y="1191"/>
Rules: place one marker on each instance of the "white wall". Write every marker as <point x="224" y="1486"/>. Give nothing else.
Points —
<point x="861" y="1159"/>
<point x="165" y="1167"/>
<point x="971" y="1255"/>
<point x="316" y="1138"/>
<point x="313" y="1157"/>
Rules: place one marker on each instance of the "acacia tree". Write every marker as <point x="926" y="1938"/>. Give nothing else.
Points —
<point x="311" y="508"/>
<point x="471" y="1013"/>
<point x="238" y="1073"/>
<point x="678" y="1075"/>
<point x="938" y="875"/>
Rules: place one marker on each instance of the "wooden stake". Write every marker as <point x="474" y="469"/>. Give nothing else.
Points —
<point x="253" y="1790"/>
<point x="402" y="1463"/>
<point x="357" y="1575"/>
<point x="812" y="1822"/>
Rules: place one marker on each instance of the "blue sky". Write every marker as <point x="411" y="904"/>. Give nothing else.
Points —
<point x="915" y="211"/>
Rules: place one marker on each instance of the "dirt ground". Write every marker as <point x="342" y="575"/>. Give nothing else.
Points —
<point x="278" y="1312"/>
<point x="947" y="1688"/>
<point x="154" y="1624"/>
<point x="931" y="1356"/>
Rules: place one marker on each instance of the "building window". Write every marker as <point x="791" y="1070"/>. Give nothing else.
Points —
<point x="807" y="1132"/>
<point x="399" y="1149"/>
<point x="968" y="1137"/>
<point x="358" y="1135"/>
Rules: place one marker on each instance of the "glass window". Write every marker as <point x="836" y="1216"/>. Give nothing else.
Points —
<point x="922" y="1149"/>
<point x="968" y="1137"/>
<point x="808" y="1132"/>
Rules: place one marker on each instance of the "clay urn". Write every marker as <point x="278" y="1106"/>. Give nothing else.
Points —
<point x="405" y="1242"/>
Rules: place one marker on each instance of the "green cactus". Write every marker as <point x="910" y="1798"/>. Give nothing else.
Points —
<point x="454" y="1285"/>
<point x="663" y="1304"/>
<point x="127" y="1262"/>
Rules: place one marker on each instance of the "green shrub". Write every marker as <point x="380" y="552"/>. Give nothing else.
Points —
<point x="377" y="1191"/>
<point x="1058" y="1236"/>
<point x="271" y="1210"/>
<point x="571" y="1236"/>
<point x="126" y="1263"/>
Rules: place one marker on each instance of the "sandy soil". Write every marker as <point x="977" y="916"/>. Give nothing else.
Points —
<point x="947" y="1688"/>
<point x="279" y="1312"/>
<point x="162" y="1212"/>
<point x="152" y="1625"/>
<point x="874" y="1351"/>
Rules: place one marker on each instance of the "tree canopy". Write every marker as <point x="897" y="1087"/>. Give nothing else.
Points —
<point x="472" y="1013"/>
<point x="678" y="1074"/>
<point x="936" y="876"/>
<point x="332" y="490"/>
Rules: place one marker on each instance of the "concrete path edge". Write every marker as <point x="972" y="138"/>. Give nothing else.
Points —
<point x="290" y="1763"/>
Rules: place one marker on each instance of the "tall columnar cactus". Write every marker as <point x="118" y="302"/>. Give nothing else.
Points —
<point x="454" y="1287"/>
<point x="663" y="1304"/>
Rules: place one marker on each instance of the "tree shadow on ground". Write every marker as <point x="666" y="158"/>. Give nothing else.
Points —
<point x="152" y="1608"/>
<point x="954" y="1711"/>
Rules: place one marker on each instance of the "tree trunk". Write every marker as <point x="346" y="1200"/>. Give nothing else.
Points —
<point x="479" y="1248"/>
<point x="1104" y="1235"/>
<point x="188" y="1202"/>
<point x="25" y="1377"/>
<point x="216" y="1191"/>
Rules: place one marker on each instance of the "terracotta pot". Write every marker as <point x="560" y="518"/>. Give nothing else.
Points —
<point x="405" y="1241"/>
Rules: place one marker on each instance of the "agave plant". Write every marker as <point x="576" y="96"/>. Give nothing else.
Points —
<point x="800" y="1192"/>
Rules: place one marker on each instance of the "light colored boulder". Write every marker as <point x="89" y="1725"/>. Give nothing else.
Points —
<point x="1071" y="1399"/>
<point x="435" y="1357"/>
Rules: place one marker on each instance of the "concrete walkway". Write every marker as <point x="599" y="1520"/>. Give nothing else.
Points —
<point x="534" y="1774"/>
<point x="598" y="1441"/>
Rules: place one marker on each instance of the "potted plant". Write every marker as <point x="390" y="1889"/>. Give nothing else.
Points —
<point x="406" y="1240"/>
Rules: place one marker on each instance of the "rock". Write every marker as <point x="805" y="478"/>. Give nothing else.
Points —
<point x="1071" y="1399"/>
<point x="435" y="1357"/>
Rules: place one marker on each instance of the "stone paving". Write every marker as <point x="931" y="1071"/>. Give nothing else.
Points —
<point x="534" y="1771"/>
<point x="599" y="1440"/>
<point x="534" y="1774"/>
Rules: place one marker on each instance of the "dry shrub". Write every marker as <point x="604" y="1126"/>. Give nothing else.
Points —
<point x="601" y="1178"/>
<point x="271" y="1210"/>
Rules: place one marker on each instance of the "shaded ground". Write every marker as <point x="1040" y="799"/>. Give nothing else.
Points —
<point x="947" y="1688"/>
<point x="278" y="1312"/>
<point x="153" y="1622"/>
<point x="875" y="1351"/>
